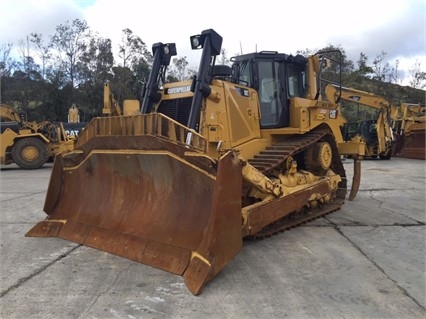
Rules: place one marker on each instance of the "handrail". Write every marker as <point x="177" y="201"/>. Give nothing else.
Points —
<point x="154" y="124"/>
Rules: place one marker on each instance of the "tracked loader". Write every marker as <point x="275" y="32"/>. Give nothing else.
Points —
<point x="238" y="152"/>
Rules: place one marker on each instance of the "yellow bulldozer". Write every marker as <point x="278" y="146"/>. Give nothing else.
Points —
<point x="238" y="152"/>
<point x="30" y="144"/>
<point x="409" y="125"/>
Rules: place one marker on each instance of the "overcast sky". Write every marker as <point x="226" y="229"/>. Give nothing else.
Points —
<point x="397" y="27"/>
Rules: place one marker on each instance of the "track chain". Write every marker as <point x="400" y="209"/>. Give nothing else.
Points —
<point x="274" y="157"/>
<point x="276" y="154"/>
<point x="297" y="219"/>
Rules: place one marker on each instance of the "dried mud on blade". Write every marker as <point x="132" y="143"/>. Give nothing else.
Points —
<point x="150" y="206"/>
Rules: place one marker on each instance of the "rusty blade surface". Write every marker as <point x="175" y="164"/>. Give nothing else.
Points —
<point x="222" y="239"/>
<point x="414" y="143"/>
<point x="152" y="206"/>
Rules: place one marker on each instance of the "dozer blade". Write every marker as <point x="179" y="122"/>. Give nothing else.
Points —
<point x="163" y="208"/>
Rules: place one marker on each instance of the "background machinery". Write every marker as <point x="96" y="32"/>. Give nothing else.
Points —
<point x="377" y="132"/>
<point x="409" y="125"/>
<point x="239" y="152"/>
<point x="73" y="126"/>
<point x="112" y="106"/>
<point x="29" y="144"/>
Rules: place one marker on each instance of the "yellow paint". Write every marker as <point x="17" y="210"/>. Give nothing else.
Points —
<point x="202" y="258"/>
<point x="140" y="152"/>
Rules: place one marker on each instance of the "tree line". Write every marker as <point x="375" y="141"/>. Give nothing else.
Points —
<point x="72" y="66"/>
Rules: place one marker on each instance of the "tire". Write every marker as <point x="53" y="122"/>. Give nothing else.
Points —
<point x="30" y="153"/>
<point x="386" y="156"/>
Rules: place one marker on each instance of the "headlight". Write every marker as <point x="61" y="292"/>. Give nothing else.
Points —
<point x="197" y="41"/>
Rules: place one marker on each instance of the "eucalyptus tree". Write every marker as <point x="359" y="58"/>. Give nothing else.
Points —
<point x="417" y="77"/>
<point x="6" y="62"/>
<point x="58" y="93"/>
<point x="6" y="68"/>
<point x="363" y="68"/>
<point x="70" y="42"/>
<point x="223" y="57"/>
<point x="136" y="58"/>
<point x="43" y="51"/>
<point x="95" y="70"/>
<point x="141" y="70"/>
<point x="179" y="68"/>
<point x="22" y="87"/>
<point x="122" y="83"/>
<point x="380" y="67"/>
<point x="131" y="49"/>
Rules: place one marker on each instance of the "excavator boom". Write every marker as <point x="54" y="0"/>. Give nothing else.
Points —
<point x="378" y="132"/>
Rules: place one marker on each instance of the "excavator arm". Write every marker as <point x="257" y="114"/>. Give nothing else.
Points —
<point x="383" y="127"/>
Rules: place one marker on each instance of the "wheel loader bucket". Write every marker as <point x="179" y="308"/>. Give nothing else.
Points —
<point x="146" y="197"/>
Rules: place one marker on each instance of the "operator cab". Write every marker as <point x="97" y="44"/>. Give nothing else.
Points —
<point x="277" y="77"/>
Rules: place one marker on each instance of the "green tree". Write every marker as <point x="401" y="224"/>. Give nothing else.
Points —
<point x="96" y="62"/>
<point x="58" y="93"/>
<point x="223" y="57"/>
<point x="380" y="67"/>
<point x="23" y="88"/>
<point x="347" y="65"/>
<point x="95" y="69"/>
<point x="137" y="59"/>
<point x="6" y="62"/>
<point x="131" y="49"/>
<point x="71" y="41"/>
<point x="122" y="83"/>
<point x="43" y="51"/>
<point x="141" y="70"/>
<point x="363" y="68"/>
<point x="179" y="68"/>
<point x="417" y="77"/>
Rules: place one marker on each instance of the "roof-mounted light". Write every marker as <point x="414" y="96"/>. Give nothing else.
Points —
<point x="215" y="41"/>
<point x="195" y="42"/>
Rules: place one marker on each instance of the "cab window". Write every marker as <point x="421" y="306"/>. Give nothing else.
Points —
<point x="269" y="92"/>
<point x="296" y="80"/>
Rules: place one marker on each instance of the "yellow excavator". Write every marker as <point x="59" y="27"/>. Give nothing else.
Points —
<point x="377" y="133"/>
<point x="238" y="152"/>
<point x="30" y="144"/>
